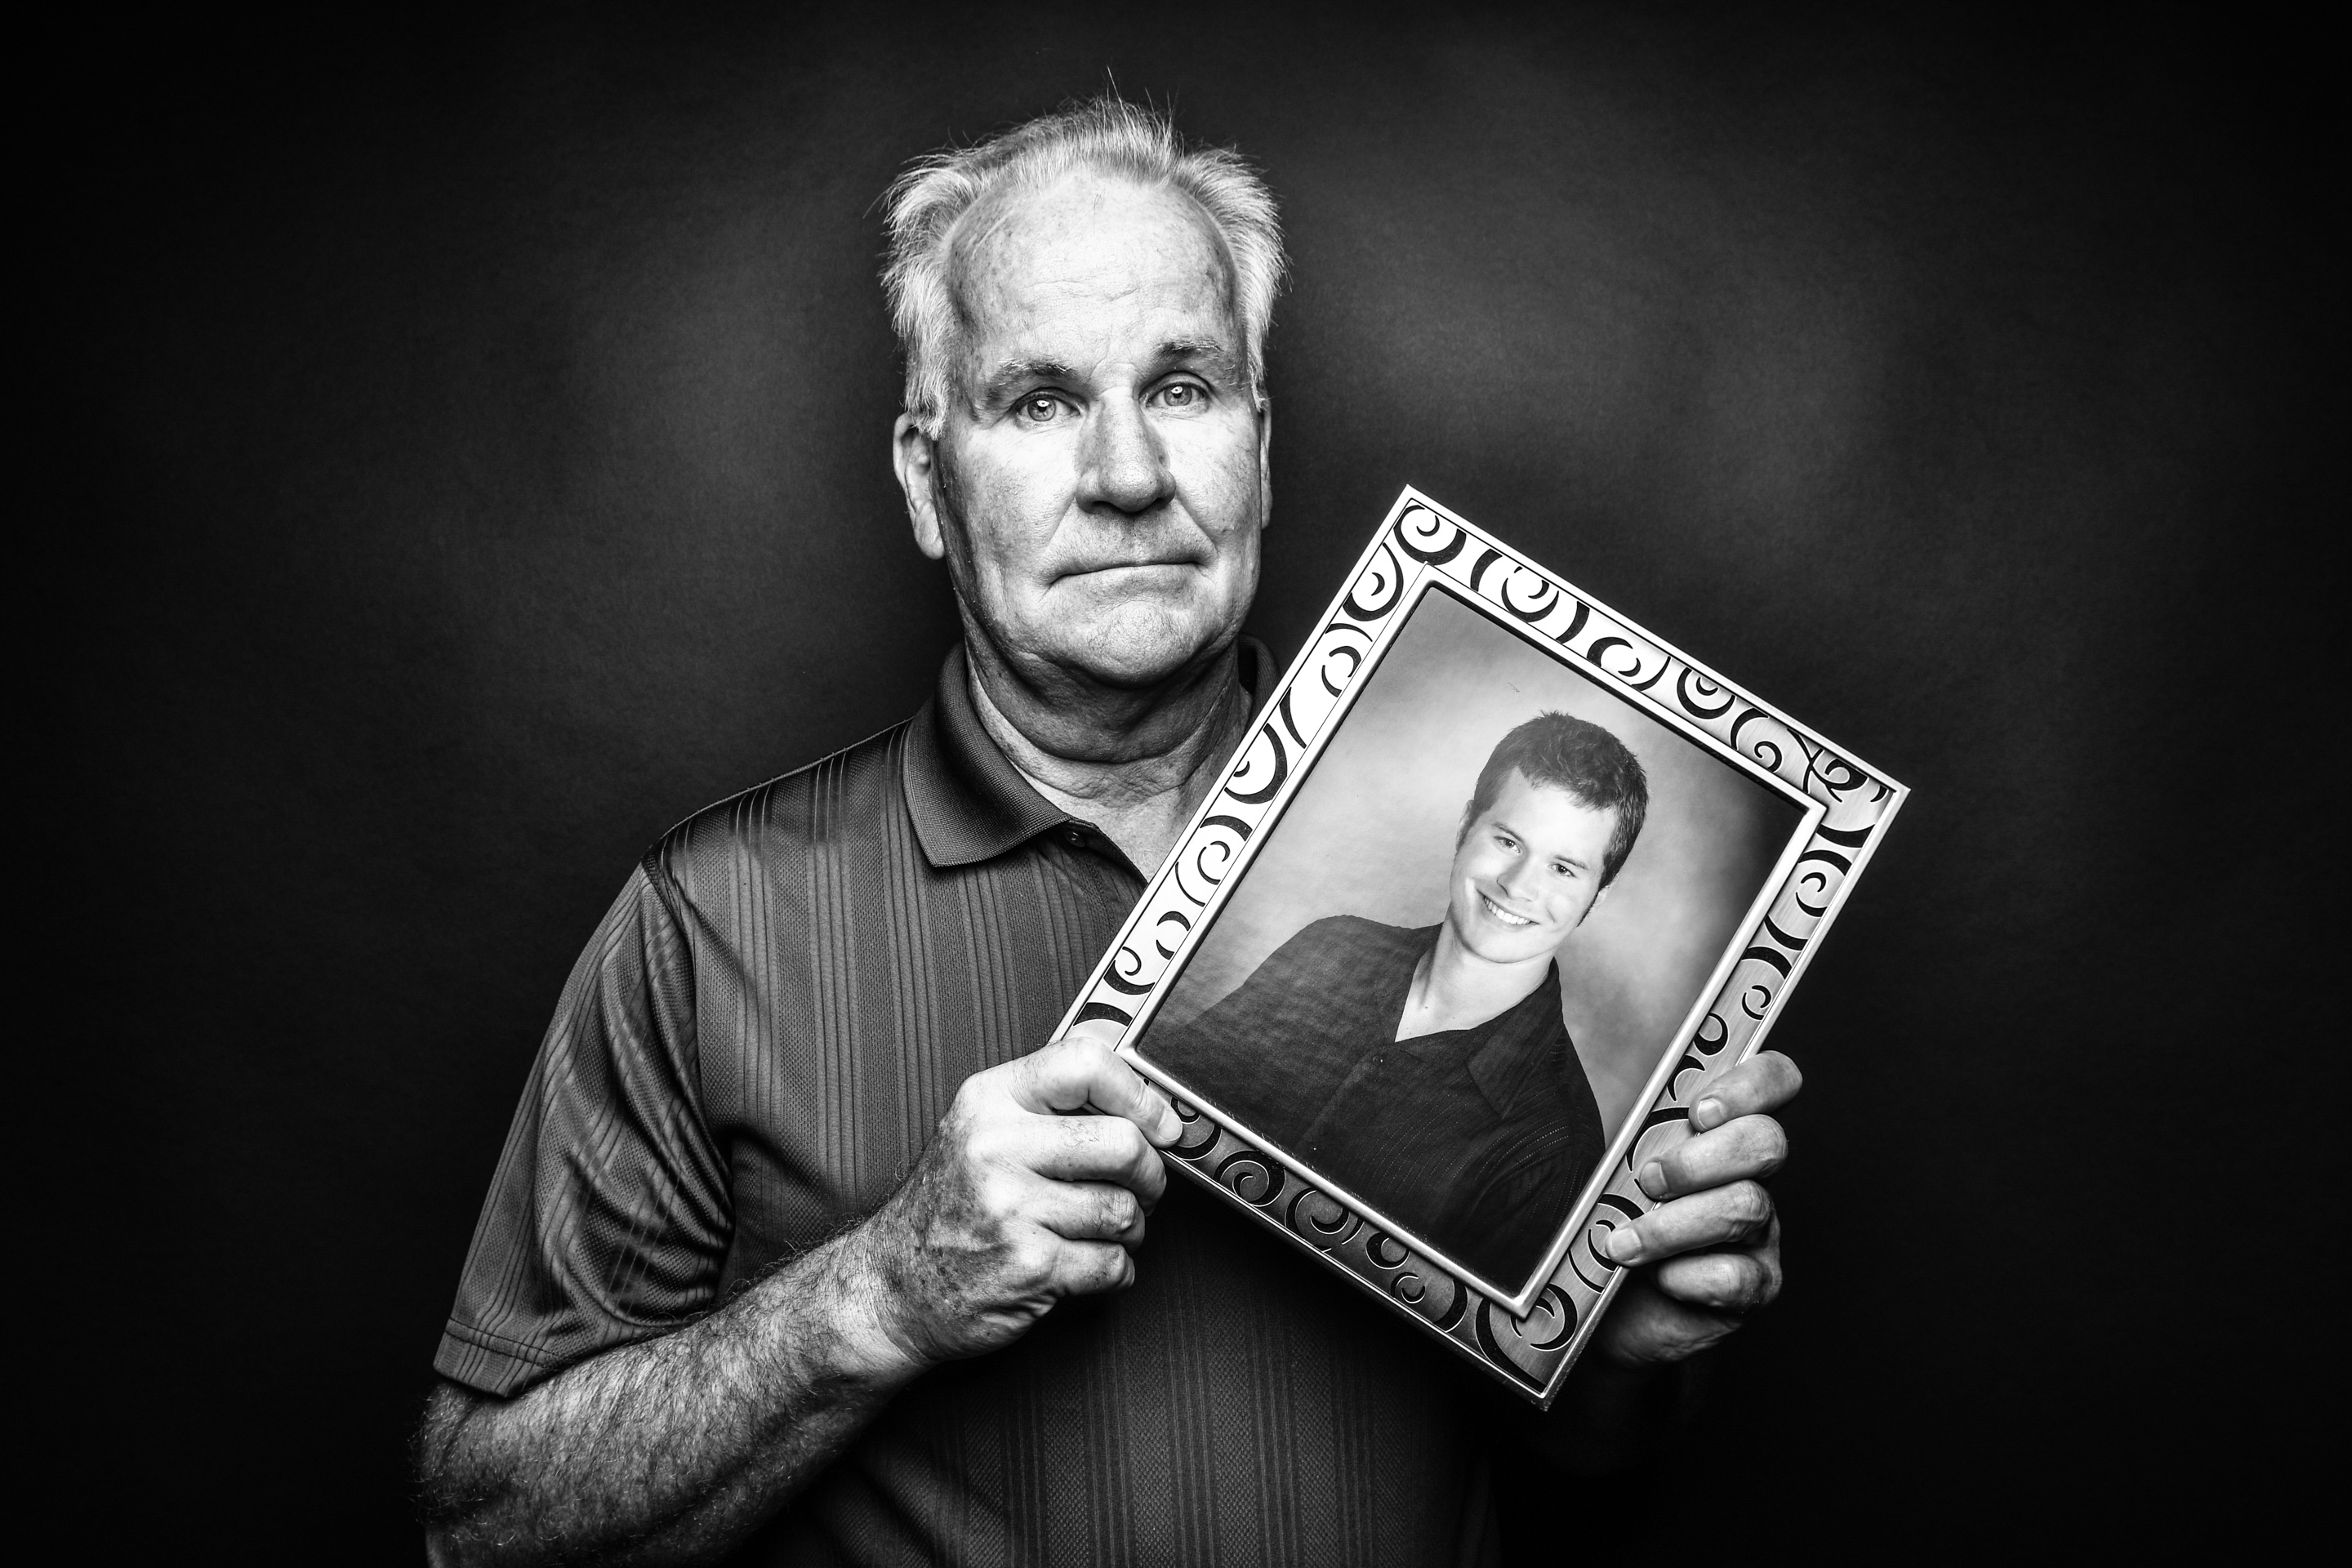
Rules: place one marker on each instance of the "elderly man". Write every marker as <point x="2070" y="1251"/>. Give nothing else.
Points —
<point x="800" y="1249"/>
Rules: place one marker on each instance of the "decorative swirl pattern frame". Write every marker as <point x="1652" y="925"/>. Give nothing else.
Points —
<point x="1531" y="1339"/>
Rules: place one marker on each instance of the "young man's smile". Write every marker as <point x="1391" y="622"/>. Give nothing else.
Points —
<point x="1528" y="871"/>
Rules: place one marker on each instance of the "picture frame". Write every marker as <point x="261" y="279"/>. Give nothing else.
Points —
<point x="1469" y="1208"/>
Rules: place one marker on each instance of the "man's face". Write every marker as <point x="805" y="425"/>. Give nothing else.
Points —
<point x="1528" y="871"/>
<point x="1099" y="481"/>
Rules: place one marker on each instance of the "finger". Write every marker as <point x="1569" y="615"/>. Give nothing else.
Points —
<point x="1077" y="1072"/>
<point x="1765" y="1081"/>
<point x="1087" y="1211"/>
<point x="1094" y="1149"/>
<point x="1749" y="1149"/>
<point x="1088" y="1267"/>
<point x="1647" y="1328"/>
<point x="1729" y="1215"/>
<point x="1737" y="1282"/>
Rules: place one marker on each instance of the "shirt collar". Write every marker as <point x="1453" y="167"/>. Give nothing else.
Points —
<point x="968" y="801"/>
<point x="1524" y="1045"/>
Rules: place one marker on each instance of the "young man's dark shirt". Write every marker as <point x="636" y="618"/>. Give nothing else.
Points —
<point x="1476" y="1139"/>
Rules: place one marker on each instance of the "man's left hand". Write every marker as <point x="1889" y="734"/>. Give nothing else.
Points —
<point x="1709" y="1254"/>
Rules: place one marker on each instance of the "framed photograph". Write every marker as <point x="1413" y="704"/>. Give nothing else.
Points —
<point x="1498" y="884"/>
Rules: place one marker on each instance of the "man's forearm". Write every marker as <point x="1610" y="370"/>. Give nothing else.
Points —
<point x="670" y="1450"/>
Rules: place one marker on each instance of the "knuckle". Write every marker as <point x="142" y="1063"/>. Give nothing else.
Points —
<point x="1751" y="1204"/>
<point x="995" y="1194"/>
<point x="1115" y="1268"/>
<point x="1079" y="1268"/>
<point x="1073" y="1138"/>
<point x="1029" y="1263"/>
<point x="987" y="1142"/>
<point x="1710" y="1281"/>
<point x="955" y="1124"/>
<point x="965" y="1126"/>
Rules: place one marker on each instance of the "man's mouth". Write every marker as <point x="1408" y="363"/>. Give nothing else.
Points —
<point x="1095" y="568"/>
<point x="1504" y="915"/>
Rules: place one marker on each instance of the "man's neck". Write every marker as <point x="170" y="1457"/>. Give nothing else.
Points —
<point x="1135" y="765"/>
<point x="1454" y="988"/>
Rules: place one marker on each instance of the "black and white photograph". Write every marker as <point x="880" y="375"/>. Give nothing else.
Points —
<point x="1224" y="787"/>
<point x="1460" y="956"/>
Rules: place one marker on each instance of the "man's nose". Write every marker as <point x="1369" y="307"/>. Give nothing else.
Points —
<point x="1512" y="875"/>
<point x="1122" y="465"/>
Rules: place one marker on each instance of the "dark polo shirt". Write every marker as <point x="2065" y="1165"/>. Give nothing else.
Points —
<point x="751" y="1053"/>
<point x="1478" y="1140"/>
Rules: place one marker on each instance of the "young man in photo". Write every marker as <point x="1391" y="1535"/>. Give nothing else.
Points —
<point x="1429" y="1072"/>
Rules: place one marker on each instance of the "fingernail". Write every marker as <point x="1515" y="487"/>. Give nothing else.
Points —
<point x="1707" y="1113"/>
<point x="1625" y="1244"/>
<point x="1653" y="1179"/>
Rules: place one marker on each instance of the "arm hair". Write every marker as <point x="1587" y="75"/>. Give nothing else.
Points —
<point x="671" y="1450"/>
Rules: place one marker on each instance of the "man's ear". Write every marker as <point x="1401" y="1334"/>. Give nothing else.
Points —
<point x="1599" y="899"/>
<point x="1264" y="463"/>
<point x="915" y="458"/>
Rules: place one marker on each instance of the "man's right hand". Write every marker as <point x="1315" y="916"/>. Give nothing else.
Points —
<point x="1035" y="1188"/>
<point x="674" y="1448"/>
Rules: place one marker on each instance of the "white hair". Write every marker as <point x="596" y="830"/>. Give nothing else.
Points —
<point x="1106" y="136"/>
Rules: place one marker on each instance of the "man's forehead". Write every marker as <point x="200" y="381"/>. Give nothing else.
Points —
<point x="1089" y="256"/>
<point x="1523" y="794"/>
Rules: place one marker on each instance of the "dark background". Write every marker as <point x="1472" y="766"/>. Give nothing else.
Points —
<point x="469" y="455"/>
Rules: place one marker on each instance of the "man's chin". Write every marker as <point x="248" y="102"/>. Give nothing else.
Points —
<point x="1137" y="648"/>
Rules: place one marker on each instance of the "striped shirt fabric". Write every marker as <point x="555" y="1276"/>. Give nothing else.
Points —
<point x="751" y="1053"/>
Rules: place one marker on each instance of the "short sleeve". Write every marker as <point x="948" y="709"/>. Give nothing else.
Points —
<point x="608" y="1221"/>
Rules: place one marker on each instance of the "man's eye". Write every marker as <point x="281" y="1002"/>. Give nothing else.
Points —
<point x="1041" y="409"/>
<point x="1182" y="394"/>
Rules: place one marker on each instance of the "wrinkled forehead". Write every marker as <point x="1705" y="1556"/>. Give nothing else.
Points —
<point x="1089" y="251"/>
